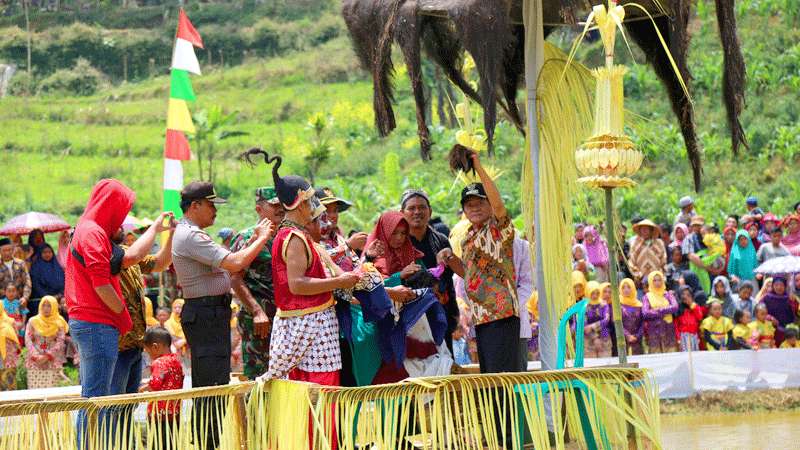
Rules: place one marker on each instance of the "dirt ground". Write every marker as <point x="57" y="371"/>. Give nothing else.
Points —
<point x="767" y="400"/>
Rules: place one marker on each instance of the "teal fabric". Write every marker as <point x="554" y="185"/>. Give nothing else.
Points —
<point x="394" y="280"/>
<point x="364" y="347"/>
<point x="743" y="261"/>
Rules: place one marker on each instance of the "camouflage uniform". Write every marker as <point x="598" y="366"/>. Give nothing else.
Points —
<point x="258" y="279"/>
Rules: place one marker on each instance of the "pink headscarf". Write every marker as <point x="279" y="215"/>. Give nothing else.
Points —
<point x="597" y="252"/>
<point x="685" y="229"/>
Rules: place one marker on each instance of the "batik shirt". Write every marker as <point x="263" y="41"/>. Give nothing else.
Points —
<point x="490" y="278"/>
<point x="342" y="255"/>
<point x="166" y="375"/>
<point x="131" y="284"/>
<point x="258" y="279"/>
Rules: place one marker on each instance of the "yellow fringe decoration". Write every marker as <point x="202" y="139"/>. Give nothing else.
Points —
<point x="565" y="104"/>
<point x="452" y="412"/>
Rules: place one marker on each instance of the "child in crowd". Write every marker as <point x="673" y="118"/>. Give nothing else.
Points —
<point x="162" y="316"/>
<point x="45" y="339"/>
<point x="762" y="328"/>
<point x="167" y="374"/>
<point x="658" y="308"/>
<point x="579" y="261"/>
<point x="790" y="338"/>
<point x="632" y="323"/>
<point x="722" y="292"/>
<point x="16" y="310"/>
<point x="676" y="267"/>
<point x="596" y="334"/>
<point x="687" y="321"/>
<point x="236" y="340"/>
<point x="9" y="351"/>
<point x="741" y="332"/>
<point x="717" y="329"/>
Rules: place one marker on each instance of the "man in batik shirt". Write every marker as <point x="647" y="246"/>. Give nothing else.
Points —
<point x="254" y="289"/>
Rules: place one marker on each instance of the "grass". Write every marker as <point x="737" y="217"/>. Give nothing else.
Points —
<point x="711" y="402"/>
<point x="55" y="148"/>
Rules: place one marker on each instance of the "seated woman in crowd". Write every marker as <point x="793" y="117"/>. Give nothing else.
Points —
<point x="596" y="252"/>
<point x="580" y="263"/>
<point x="9" y="352"/>
<point x="658" y="308"/>
<point x="762" y="329"/>
<point x="632" y="322"/>
<point x="45" y="339"/>
<point x="717" y="329"/>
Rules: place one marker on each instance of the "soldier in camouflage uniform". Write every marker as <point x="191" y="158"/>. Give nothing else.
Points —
<point x="254" y="289"/>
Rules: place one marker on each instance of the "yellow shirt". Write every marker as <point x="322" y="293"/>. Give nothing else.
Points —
<point x="741" y="331"/>
<point x="765" y="331"/>
<point x="786" y="344"/>
<point x="718" y="328"/>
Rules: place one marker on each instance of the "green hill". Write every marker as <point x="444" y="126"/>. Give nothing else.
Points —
<point x="296" y="88"/>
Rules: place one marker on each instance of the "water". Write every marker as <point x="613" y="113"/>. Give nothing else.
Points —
<point x="757" y="431"/>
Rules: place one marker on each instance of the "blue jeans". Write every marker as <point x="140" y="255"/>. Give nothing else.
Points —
<point x="97" y="346"/>
<point x="126" y="380"/>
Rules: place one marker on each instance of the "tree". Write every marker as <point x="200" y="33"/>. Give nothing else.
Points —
<point x="26" y="8"/>
<point x="320" y="149"/>
<point x="211" y="128"/>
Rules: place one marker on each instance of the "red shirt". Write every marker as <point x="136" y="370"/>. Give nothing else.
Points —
<point x="689" y="321"/>
<point x="284" y="298"/>
<point x="166" y="374"/>
<point x="108" y="205"/>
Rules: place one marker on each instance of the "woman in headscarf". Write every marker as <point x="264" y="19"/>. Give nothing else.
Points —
<point x="173" y="325"/>
<point x="400" y="260"/>
<point x="722" y="292"/>
<point x="742" y="261"/>
<point x="596" y="331"/>
<point x="47" y="277"/>
<point x="658" y="308"/>
<point x="632" y="322"/>
<point x="596" y="253"/>
<point x="149" y="318"/>
<point x="45" y="339"/>
<point x="753" y="230"/>
<point x="401" y="264"/>
<point x="779" y="307"/>
<point x="729" y="236"/>
<point x="9" y="352"/>
<point x="579" y="286"/>
<point x="679" y="234"/>
<point x="580" y="262"/>
<point x="792" y="238"/>
<point x="37" y="243"/>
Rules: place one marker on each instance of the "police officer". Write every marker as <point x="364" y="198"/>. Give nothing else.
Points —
<point x="203" y="267"/>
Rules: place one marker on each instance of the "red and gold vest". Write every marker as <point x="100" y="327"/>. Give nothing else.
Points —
<point x="284" y="299"/>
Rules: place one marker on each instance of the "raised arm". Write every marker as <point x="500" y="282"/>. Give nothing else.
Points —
<point x="142" y="246"/>
<point x="493" y="195"/>
<point x="239" y="261"/>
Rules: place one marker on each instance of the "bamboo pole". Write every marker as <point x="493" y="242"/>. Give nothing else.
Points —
<point x="622" y="349"/>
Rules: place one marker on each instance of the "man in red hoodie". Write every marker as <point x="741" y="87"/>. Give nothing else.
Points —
<point x="97" y="311"/>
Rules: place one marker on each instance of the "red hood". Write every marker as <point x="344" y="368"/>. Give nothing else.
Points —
<point x="109" y="204"/>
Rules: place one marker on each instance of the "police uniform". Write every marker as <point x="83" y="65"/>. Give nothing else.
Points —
<point x="206" y="312"/>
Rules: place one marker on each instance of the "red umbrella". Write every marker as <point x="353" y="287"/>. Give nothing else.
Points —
<point x="24" y="224"/>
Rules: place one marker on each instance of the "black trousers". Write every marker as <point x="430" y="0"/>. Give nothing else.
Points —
<point x="499" y="351"/>
<point x="206" y="324"/>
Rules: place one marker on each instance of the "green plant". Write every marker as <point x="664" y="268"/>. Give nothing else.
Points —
<point x="319" y="149"/>
<point x="81" y="80"/>
<point x="211" y="129"/>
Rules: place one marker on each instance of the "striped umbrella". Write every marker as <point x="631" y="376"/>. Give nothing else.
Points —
<point x="25" y="223"/>
<point x="780" y="266"/>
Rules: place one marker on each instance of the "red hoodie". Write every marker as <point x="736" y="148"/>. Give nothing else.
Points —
<point x="108" y="205"/>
